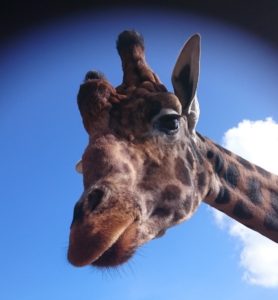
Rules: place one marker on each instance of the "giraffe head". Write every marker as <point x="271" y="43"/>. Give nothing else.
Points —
<point x="140" y="168"/>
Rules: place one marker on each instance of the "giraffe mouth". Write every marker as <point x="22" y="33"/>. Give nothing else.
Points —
<point x="109" y="247"/>
<point x="120" y="252"/>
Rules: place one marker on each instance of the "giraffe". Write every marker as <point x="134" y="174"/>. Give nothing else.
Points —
<point x="146" y="168"/>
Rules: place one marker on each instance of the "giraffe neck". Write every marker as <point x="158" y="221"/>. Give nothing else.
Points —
<point x="243" y="191"/>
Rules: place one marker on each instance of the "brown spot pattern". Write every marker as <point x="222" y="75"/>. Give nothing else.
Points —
<point x="170" y="193"/>
<point x="201" y="181"/>
<point x="218" y="164"/>
<point x="161" y="212"/>
<point x="189" y="158"/>
<point x="242" y="211"/>
<point x="274" y="201"/>
<point x="254" y="190"/>
<point x="232" y="175"/>
<point x="182" y="172"/>
<point x="271" y="222"/>
<point x="210" y="154"/>
<point x="223" y="196"/>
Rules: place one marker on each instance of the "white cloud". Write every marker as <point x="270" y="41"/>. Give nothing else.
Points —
<point x="258" y="142"/>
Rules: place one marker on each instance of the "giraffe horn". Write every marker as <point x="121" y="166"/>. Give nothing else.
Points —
<point x="95" y="96"/>
<point x="130" y="46"/>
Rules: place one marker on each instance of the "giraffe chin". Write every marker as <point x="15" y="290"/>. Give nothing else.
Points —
<point x="108" y="248"/>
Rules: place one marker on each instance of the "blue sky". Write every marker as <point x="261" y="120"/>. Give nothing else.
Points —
<point x="43" y="137"/>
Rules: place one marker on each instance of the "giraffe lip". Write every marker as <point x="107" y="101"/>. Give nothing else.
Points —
<point x="101" y="249"/>
<point x="114" y="255"/>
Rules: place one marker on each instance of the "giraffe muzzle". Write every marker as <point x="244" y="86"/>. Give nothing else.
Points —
<point x="102" y="231"/>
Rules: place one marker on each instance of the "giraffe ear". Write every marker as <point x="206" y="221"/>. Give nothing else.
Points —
<point x="79" y="167"/>
<point x="185" y="79"/>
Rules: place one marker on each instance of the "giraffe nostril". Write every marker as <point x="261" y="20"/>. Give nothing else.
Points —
<point x="94" y="198"/>
<point x="77" y="213"/>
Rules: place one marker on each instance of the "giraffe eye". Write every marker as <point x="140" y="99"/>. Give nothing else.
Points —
<point x="168" y="124"/>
